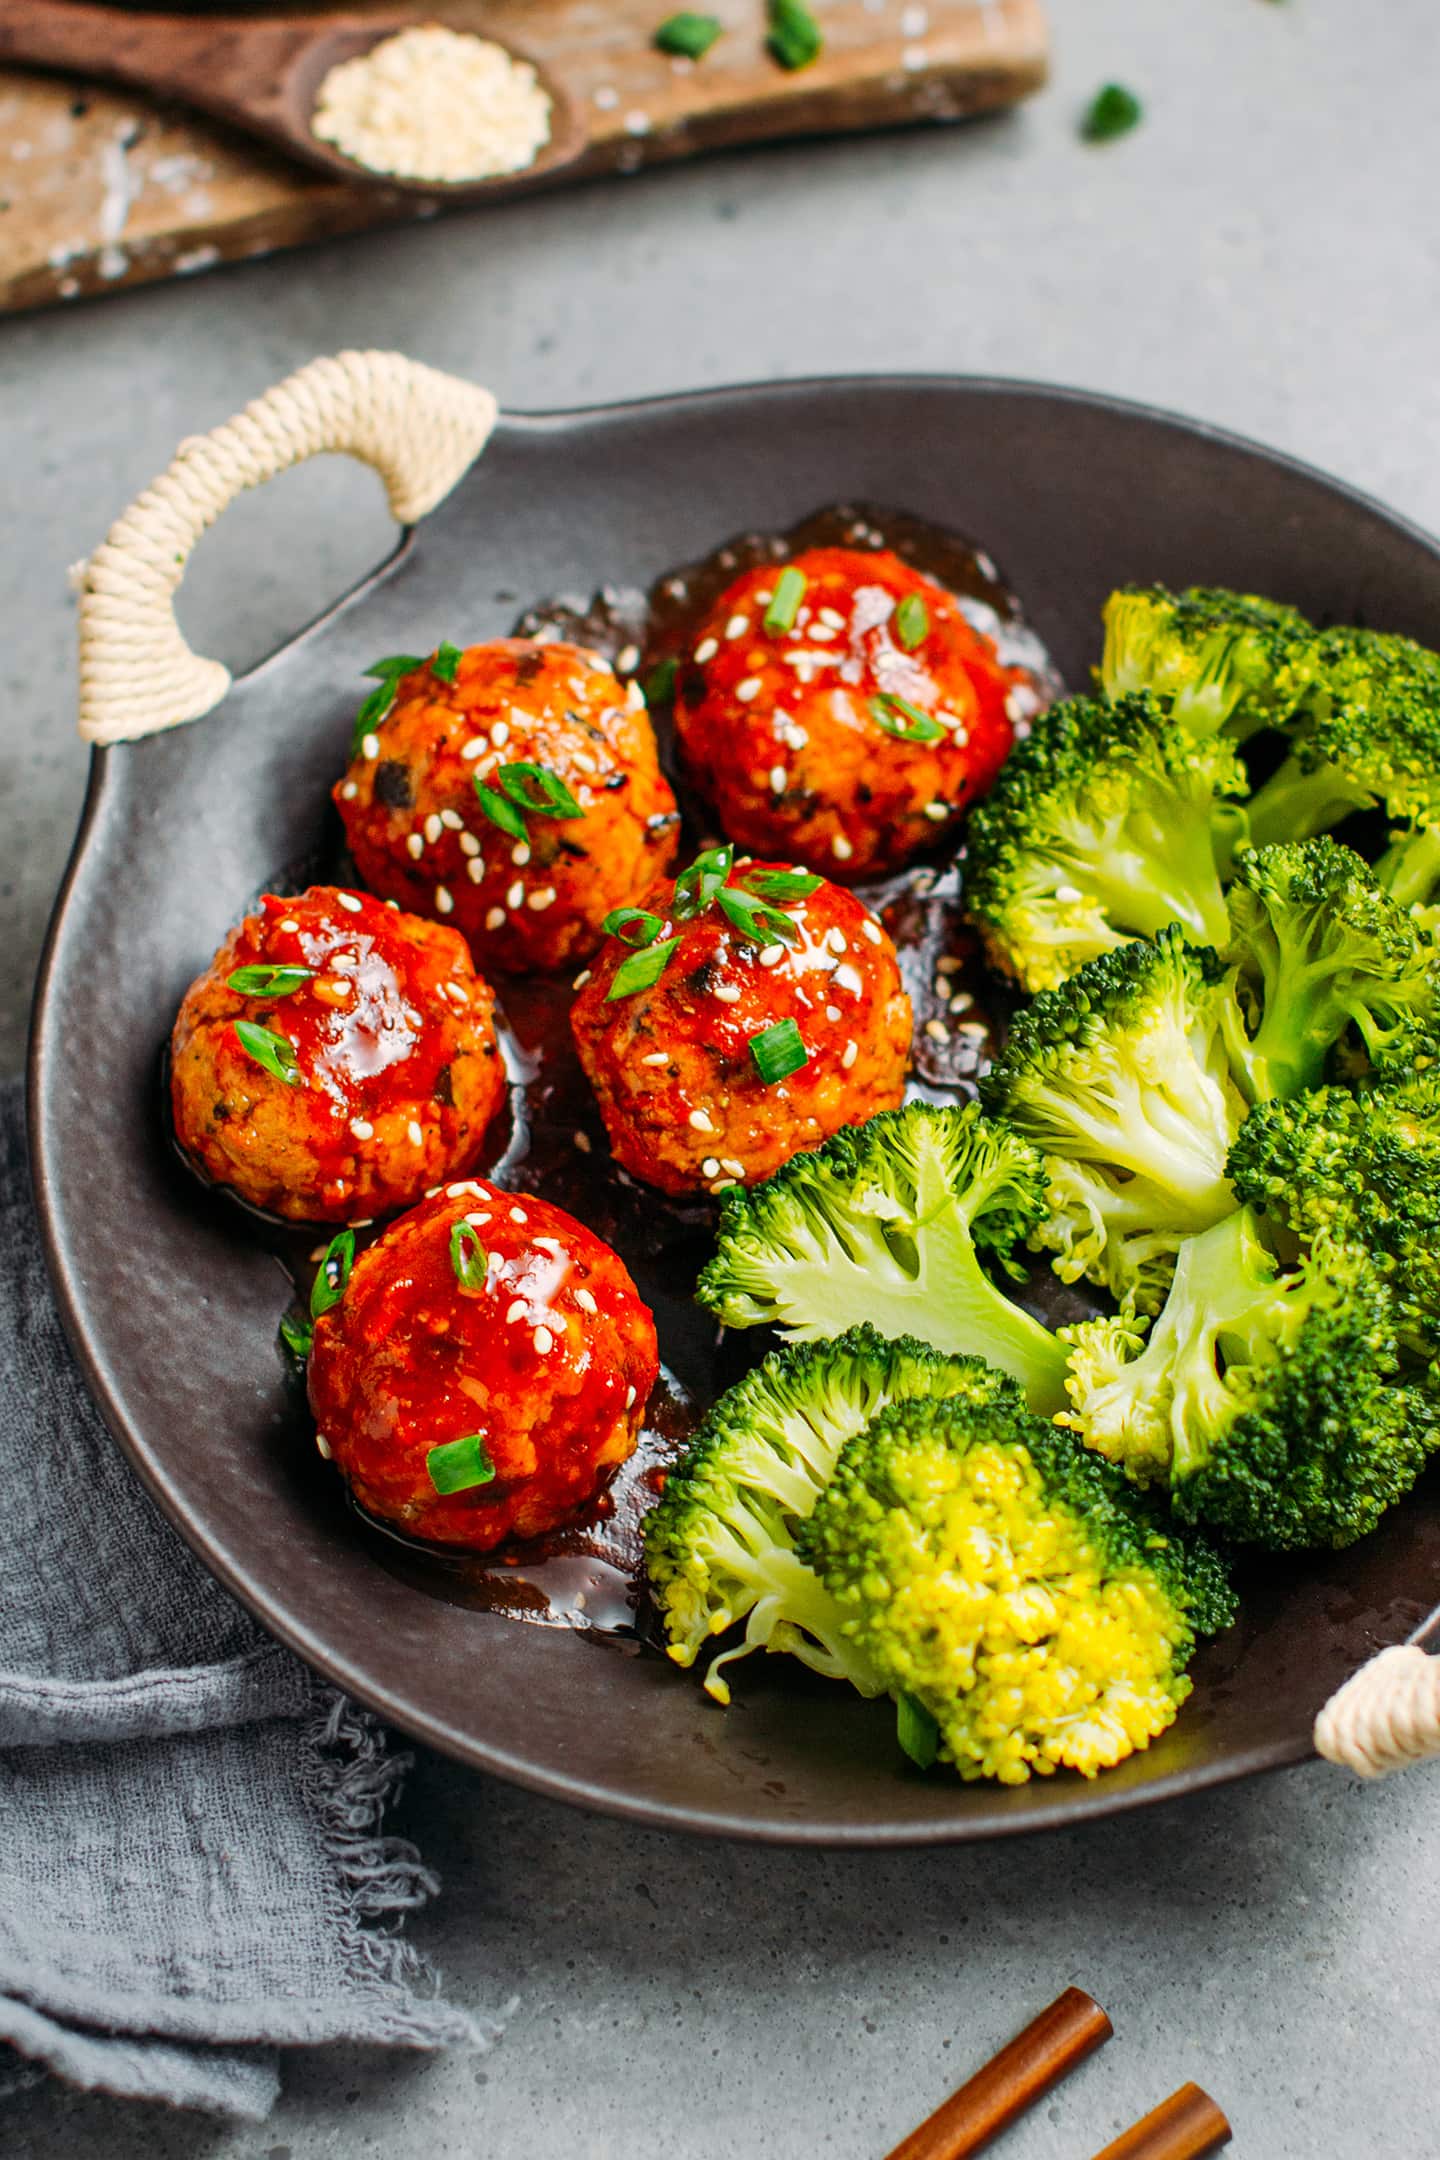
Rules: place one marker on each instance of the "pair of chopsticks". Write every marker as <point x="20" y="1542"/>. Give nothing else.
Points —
<point x="1184" y="2127"/>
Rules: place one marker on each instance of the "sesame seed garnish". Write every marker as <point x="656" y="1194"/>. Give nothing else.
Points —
<point x="544" y="1341"/>
<point x="443" y="901"/>
<point x="748" y="689"/>
<point x="710" y="1167"/>
<point x="736" y="1169"/>
<point x="326" y="1451"/>
<point x="431" y="1192"/>
<point x="370" y="744"/>
<point x="656" y="1057"/>
<point x="500" y="734"/>
<point x="452" y="820"/>
<point x="516" y="1310"/>
<point x="630" y="1398"/>
<point x="362" y="1128"/>
<point x="701" y="1121"/>
<point x="348" y="901"/>
<point x="872" y="931"/>
<point x="582" y="1141"/>
<point x="778" y="778"/>
<point x="849" y="1054"/>
<point x="973" y="1030"/>
<point x="415" y="845"/>
<point x="722" y="1185"/>
<point x="846" y="977"/>
<point x="961" y="1002"/>
<point x="469" y="845"/>
<point x="950" y="964"/>
<point x="476" y="747"/>
<point x="542" y="897"/>
<point x="832" y="1013"/>
<point x="737" y="626"/>
<point x="581" y="979"/>
<point x="771" y="955"/>
<point x="459" y="993"/>
<point x="937" y="812"/>
<point x="937" y="1031"/>
<point x="417" y="1137"/>
<point x="585" y="1299"/>
<point x="495" y="916"/>
<point x="840" y="848"/>
<point x="832" y="616"/>
<point x="835" y="939"/>
<point x="706" y="650"/>
<point x="728" y="993"/>
<point x="635" y="697"/>
<point x="583" y="759"/>
<point x="1068" y="893"/>
<point x="475" y="869"/>
<point x="517" y="1214"/>
<point x="515" y="897"/>
<point x="289" y="923"/>
<point x="349" y="791"/>
<point x="822" y="631"/>
<point x="627" y="659"/>
<point x="520" y="854"/>
<point x="477" y="1218"/>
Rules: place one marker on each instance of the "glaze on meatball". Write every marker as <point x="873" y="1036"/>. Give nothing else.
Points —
<point x="856" y="736"/>
<point x="685" y="1102"/>
<point x="485" y="1371"/>
<point x="531" y="891"/>
<point x="372" y="1072"/>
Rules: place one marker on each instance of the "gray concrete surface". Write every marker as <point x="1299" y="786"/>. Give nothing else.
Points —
<point x="1262" y="253"/>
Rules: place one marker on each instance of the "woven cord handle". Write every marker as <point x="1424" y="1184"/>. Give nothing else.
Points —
<point x="1386" y="1715"/>
<point x="419" y="429"/>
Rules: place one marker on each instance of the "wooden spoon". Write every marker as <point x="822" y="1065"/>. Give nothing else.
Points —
<point x="261" y="75"/>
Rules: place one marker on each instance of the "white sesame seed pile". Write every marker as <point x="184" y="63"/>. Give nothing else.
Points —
<point x="434" y="104"/>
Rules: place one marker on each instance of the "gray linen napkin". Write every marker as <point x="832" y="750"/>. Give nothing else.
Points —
<point x="193" y="1871"/>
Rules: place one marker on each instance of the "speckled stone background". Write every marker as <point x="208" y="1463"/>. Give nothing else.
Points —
<point x="1264" y="254"/>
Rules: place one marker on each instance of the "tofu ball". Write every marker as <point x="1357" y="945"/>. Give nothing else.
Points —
<point x="512" y="790"/>
<point x="748" y="1012"/>
<point x="485" y="1369"/>
<point x="335" y="1058"/>
<point x="840" y="711"/>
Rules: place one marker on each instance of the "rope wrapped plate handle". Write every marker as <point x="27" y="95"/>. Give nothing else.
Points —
<point x="420" y="429"/>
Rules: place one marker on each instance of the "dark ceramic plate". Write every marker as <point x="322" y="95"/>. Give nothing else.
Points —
<point x="174" y="1315"/>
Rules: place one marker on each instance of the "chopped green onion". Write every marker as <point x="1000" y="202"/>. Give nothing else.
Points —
<point x="399" y="663"/>
<point x="500" y="811"/>
<point x="1112" y="111"/>
<point x="754" y="920"/>
<point x="270" y="982"/>
<point x="446" y="663"/>
<point x="378" y="703"/>
<point x="696" y="888"/>
<point x="691" y="36"/>
<point x="903" y="720"/>
<point x="912" y="621"/>
<point x="659" y="684"/>
<point x="468" y="1258"/>
<point x="778" y="1050"/>
<point x="275" y="1053"/>
<point x="794" y="38"/>
<point x="460" y="1465"/>
<point x="333" y="1273"/>
<point x="297" y="1335"/>
<point x="640" y="970"/>
<point x="539" y="790"/>
<point x="789" y="592"/>
<point x="781" y="884"/>
<point x="916" y="1731"/>
<point x="634" y="926"/>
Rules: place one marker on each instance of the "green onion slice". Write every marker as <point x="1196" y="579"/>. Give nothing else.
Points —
<point x="500" y="811"/>
<point x="903" y="720"/>
<point x="460" y="1465"/>
<point x="659" y="684"/>
<point x="275" y="1053"/>
<point x="640" y="970"/>
<point x="785" y="606"/>
<point x="794" y="39"/>
<point x="539" y="790"/>
<point x="691" y="36"/>
<point x="297" y="1335"/>
<point x="754" y="920"/>
<point x="634" y="926"/>
<point x="269" y="982"/>
<point x="446" y="663"/>
<point x="697" y="887"/>
<point x="1112" y="111"/>
<point x="333" y="1273"/>
<point x="781" y="884"/>
<point x="396" y="664"/>
<point x="912" y="621"/>
<point x="778" y="1050"/>
<point x="378" y="703"/>
<point x="468" y="1257"/>
<point x="916" y="1731"/>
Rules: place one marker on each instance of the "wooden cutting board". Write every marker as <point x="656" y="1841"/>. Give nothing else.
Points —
<point x="99" y="190"/>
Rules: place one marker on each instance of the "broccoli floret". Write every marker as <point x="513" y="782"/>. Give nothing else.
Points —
<point x="1122" y="1079"/>
<point x="882" y="1224"/>
<point x="1011" y="1587"/>
<point x="1107" y="822"/>
<point x="1409" y="870"/>
<point x="720" y="1543"/>
<point x="1365" y="733"/>
<point x="1363" y="1167"/>
<point x="1318" y="948"/>
<point x="1228" y="661"/>
<point x="1270" y="1401"/>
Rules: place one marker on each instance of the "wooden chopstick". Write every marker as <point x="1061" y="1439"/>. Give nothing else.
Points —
<point x="1050" y="2046"/>
<point x="1183" y="2127"/>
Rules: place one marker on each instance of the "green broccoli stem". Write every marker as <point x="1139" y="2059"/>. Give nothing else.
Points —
<point x="1295" y="804"/>
<point x="1178" y="882"/>
<point x="1410" y="867"/>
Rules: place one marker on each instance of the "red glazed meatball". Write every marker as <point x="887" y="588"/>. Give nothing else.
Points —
<point x="335" y="1058"/>
<point x="777" y="1016"/>
<point x="855" y="734"/>
<point x="576" y="817"/>
<point x="485" y="1370"/>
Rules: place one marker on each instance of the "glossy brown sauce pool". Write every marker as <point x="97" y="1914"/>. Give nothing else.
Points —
<point x="549" y="1139"/>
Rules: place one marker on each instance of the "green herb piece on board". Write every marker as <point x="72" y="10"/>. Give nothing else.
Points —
<point x="687" y="35"/>
<point x="1113" y="111"/>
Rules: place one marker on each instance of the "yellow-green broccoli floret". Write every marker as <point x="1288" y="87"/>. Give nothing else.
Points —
<point x="1019" y="1600"/>
<point x="720" y="1543"/>
<point x="1229" y="662"/>
<point x="1107" y="823"/>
